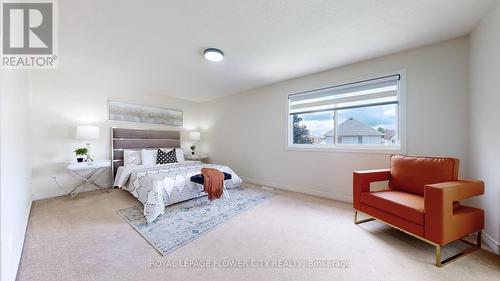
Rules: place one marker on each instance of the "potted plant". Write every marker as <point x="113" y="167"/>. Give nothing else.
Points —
<point x="80" y="152"/>
<point x="193" y="148"/>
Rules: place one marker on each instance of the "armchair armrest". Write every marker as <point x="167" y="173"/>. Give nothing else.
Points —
<point x="438" y="204"/>
<point x="455" y="190"/>
<point x="361" y="182"/>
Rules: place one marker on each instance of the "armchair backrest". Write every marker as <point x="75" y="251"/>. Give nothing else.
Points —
<point x="412" y="173"/>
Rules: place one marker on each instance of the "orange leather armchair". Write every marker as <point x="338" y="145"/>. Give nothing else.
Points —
<point x="422" y="199"/>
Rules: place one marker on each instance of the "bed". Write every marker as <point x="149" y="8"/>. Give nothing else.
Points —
<point x="156" y="185"/>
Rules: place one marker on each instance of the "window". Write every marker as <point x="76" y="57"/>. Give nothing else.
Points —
<point x="362" y="115"/>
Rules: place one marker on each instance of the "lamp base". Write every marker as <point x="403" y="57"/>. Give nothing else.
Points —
<point x="88" y="159"/>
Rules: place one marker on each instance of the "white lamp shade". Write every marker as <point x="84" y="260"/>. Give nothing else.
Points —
<point x="87" y="132"/>
<point x="195" y="136"/>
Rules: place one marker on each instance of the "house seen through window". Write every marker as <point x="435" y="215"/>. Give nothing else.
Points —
<point x="356" y="114"/>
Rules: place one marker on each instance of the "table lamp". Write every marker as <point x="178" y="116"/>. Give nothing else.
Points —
<point x="87" y="133"/>
<point x="194" y="136"/>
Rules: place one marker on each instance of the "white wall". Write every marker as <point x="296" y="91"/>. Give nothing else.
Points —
<point x="61" y="101"/>
<point x="248" y="131"/>
<point x="15" y="168"/>
<point x="484" y="119"/>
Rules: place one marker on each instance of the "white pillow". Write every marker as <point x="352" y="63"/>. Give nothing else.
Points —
<point x="149" y="156"/>
<point x="131" y="157"/>
<point x="179" y="153"/>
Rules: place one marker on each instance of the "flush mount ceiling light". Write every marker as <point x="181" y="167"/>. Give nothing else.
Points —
<point x="213" y="54"/>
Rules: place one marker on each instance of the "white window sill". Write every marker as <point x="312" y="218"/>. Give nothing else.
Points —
<point x="386" y="149"/>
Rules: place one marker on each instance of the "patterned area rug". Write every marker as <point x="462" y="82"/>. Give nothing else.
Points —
<point x="188" y="220"/>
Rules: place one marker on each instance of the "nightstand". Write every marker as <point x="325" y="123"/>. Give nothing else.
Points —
<point x="92" y="171"/>
<point x="197" y="157"/>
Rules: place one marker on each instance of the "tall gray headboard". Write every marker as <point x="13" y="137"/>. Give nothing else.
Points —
<point x="122" y="138"/>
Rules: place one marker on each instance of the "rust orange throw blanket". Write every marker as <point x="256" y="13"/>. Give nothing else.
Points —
<point x="213" y="182"/>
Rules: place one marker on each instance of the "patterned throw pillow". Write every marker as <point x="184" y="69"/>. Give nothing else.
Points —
<point x="131" y="157"/>
<point x="163" y="157"/>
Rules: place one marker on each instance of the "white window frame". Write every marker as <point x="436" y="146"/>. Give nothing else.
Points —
<point x="385" y="149"/>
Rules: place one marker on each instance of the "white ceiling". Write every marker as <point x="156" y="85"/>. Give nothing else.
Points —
<point x="157" y="45"/>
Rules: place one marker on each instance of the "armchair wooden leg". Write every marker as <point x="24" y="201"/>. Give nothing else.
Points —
<point x="360" y="221"/>
<point x="463" y="253"/>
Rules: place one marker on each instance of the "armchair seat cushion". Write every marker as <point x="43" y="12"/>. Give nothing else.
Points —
<point x="402" y="204"/>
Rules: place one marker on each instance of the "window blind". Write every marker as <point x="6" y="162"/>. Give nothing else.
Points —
<point x="359" y="94"/>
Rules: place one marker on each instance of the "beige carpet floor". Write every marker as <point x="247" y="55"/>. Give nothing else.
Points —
<point x="85" y="239"/>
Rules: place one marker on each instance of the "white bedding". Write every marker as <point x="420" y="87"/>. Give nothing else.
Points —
<point x="157" y="186"/>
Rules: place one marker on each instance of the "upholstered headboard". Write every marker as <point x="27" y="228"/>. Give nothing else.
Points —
<point x="122" y="138"/>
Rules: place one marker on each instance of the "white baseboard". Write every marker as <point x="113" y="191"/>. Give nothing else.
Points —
<point x="28" y="215"/>
<point x="491" y="243"/>
<point x="318" y="193"/>
<point x="56" y="193"/>
<point x="26" y="221"/>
